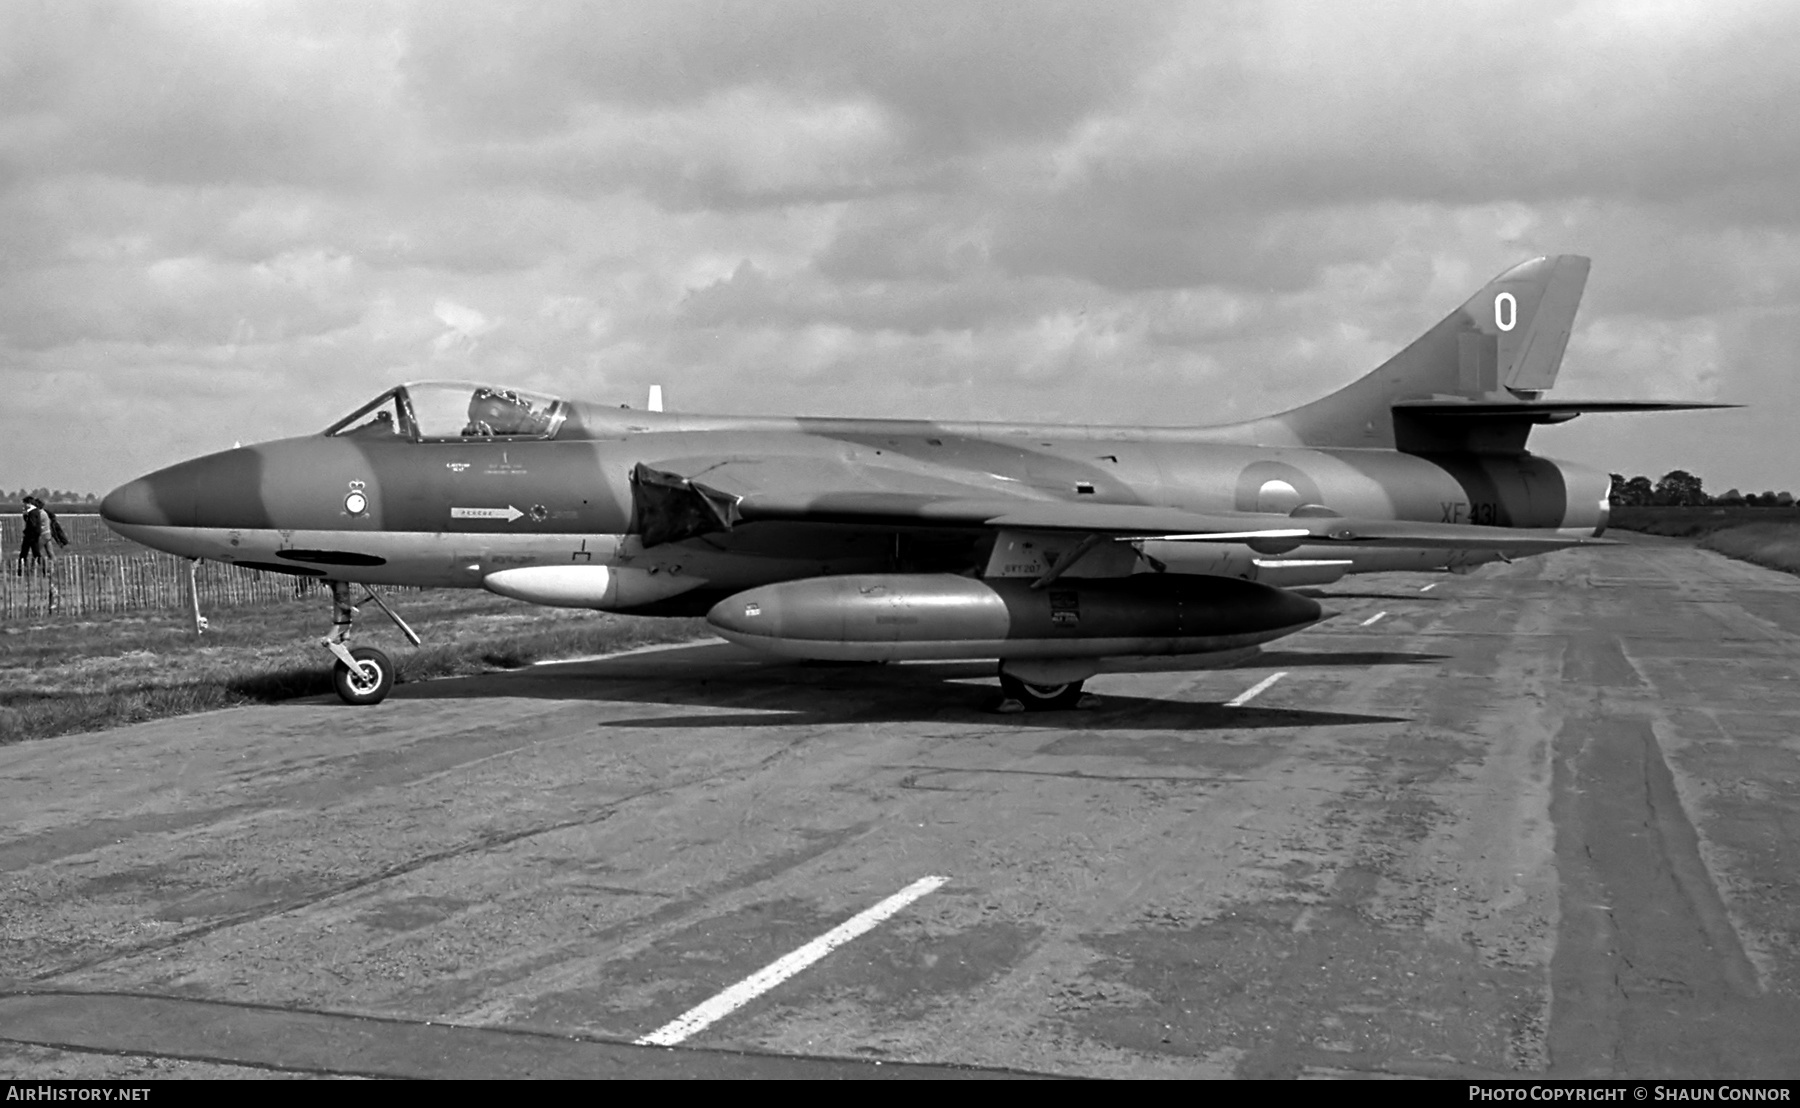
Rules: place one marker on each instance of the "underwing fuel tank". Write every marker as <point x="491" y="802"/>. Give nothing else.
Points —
<point x="895" y="617"/>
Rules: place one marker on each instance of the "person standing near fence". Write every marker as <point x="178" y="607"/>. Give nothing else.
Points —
<point x="37" y="549"/>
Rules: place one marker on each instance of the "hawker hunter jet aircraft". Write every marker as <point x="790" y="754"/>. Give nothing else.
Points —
<point x="1044" y="548"/>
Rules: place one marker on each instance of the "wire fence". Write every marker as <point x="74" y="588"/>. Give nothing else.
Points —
<point x="96" y="584"/>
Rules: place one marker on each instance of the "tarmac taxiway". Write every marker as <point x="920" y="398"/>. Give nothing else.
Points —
<point x="1537" y="820"/>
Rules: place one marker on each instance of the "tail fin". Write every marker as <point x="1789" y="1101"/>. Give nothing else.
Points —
<point x="1504" y="345"/>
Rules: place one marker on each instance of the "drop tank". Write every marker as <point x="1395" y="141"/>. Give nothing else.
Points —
<point x="894" y="617"/>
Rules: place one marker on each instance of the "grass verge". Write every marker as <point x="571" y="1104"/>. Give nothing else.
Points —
<point x="1775" y="545"/>
<point x="1762" y="536"/>
<point x="61" y="678"/>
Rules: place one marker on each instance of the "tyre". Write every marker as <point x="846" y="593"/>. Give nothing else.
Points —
<point x="372" y="684"/>
<point x="1041" y="698"/>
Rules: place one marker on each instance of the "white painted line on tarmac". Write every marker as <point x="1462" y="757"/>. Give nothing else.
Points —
<point x="1250" y="693"/>
<point x="773" y="974"/>
<point x="1376" y="618"/>
<point x="653" y="648"/>
<point x="1431" y="586"/>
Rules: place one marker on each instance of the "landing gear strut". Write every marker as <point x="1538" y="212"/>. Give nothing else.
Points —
<point x="363" y="675"/>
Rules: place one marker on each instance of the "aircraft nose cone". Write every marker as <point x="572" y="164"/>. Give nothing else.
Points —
<point x="150" y="501"/>
<point x="218" y="490"/>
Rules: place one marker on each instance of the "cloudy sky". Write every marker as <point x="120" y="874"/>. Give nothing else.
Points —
<point x="234" y="220"/>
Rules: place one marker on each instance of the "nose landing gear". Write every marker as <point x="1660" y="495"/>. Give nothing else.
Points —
<point x="363" y="675"/>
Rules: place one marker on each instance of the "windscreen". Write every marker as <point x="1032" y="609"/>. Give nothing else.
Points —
<point x="382" y="417"/>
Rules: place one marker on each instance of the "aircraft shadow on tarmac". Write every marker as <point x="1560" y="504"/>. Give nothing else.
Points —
<point x="742" y="689"/>
<point x="1116" y="713"/>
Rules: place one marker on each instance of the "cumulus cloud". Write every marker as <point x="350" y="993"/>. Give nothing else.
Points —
<point x="198" y="93"/>
<point x="958" y="74"/>
<point x="256" y="216"/>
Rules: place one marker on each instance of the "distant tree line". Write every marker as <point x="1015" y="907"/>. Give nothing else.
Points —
<point x="1679" y="488"/>
<point x="50" y="496"/>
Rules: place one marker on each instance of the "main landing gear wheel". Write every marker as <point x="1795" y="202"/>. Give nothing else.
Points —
<point x="1018" y="696"/>
<point x="370" y="683"/>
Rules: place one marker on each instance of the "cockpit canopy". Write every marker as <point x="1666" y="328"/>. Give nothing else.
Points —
<point x="448" y="411"/>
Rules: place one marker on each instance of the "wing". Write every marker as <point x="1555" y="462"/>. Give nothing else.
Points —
<point x="703" y="496"/>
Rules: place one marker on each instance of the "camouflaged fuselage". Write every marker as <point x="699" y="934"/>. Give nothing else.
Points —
<point x="493" y="487"/>
<point x="447" y="513"/>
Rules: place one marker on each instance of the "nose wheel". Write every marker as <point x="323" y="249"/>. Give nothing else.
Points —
<point x="362" y="675"/>
<point x="369" y="682"/>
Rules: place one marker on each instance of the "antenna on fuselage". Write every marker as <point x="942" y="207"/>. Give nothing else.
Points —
<point x="655" y="404"/>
